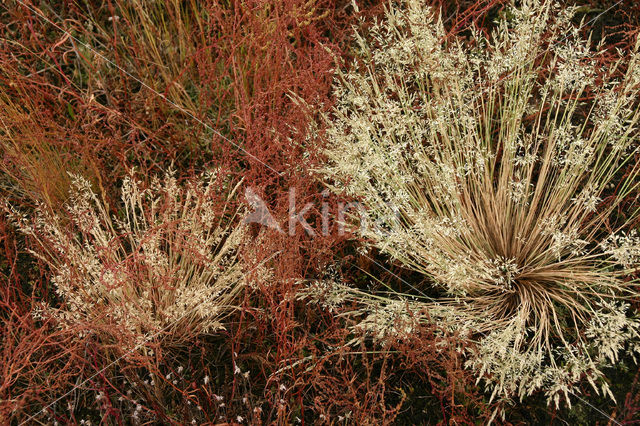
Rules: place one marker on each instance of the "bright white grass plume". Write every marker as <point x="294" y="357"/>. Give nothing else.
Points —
<point x="484" y="168"/>
<point x="168" y="265"/>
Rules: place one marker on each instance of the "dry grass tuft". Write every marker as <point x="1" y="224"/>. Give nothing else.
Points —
<point x="167" y="269"/>
<point x="495" y="170"/>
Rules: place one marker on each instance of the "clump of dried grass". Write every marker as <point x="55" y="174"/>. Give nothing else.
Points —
<point x="165" y="269"/>
<point x="488" y="169"/>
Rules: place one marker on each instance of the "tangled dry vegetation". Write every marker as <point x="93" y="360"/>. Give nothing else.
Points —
<point x="487" y="152"/>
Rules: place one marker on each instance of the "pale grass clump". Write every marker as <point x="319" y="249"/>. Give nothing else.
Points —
<point x="484" y="167"/>
<point x="165" y="269"/>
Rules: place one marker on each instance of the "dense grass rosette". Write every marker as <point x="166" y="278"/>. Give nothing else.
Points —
<point x="503" y="170"/>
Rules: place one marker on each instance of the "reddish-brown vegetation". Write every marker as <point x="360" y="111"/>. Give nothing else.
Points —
<point x="100" y="88"/>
